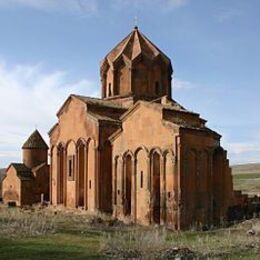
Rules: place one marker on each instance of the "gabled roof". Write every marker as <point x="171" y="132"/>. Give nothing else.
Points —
<point x="91" y="101"/>
<point x="52" y="129"/>
<point x="23" y="172"/>
<point x="98" y="102"/>
<point x="171" y="105"/>
<point x="104" y="118"/>
<point x="132" y="46"/>
<point x="35" y="141"/>
<point x="173" y="108"/>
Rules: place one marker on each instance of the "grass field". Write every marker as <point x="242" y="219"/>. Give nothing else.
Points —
<point x="55" y="234"/>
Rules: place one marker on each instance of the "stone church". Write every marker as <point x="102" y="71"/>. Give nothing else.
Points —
<point x="136" y="152"/>
<point x="27" y="183"/>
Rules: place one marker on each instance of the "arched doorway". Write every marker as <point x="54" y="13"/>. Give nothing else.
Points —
<point x="156" y="189"/>
<point x="81" y="174"/>
<point x="128" y="185"/>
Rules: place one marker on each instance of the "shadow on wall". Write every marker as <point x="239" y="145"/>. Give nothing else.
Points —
<point x="2" y="176"/>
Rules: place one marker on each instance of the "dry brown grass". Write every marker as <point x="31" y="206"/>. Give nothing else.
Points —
<point x="22" y="223"/>
<point x="119" y="240"/>
<point x="159" y="243"/>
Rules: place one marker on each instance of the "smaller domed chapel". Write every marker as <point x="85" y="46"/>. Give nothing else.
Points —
<point x="136" y="152"/>
<point x="27" y="183"/>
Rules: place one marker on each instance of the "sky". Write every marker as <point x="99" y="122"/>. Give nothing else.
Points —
<point x="52" y="48"/>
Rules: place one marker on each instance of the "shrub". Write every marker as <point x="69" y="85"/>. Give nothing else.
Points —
<point x="18" y="223"/>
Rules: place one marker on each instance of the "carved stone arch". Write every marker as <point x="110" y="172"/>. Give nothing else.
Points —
<point x="92" y="179"/>
<point x="128" y="153"/>
<point x="142" y="58"/>
<point x="142" y="185"/>
<point x="128" y="173"/>
<point x="81" y="141"/>
<point x="71" y="161"/>
<point x="69" y="142"/>
<point x="157" y="184"/>
<point x="91" y="139"/>
<point x="116" y="158"/>
<point x="61" y="145"/>
<point x="81" y="172"/>
<point x="122" y="60"/>
<point x="121" y="76"/>
<point x="169" y="151"/>
<point x="139" y="149"/>
<point x="61" y="176"/>
<point x="155" y="150"/>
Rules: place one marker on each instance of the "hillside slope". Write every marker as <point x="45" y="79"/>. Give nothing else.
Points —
<point x="246" y="177"/>
<point x="246" y="168"/>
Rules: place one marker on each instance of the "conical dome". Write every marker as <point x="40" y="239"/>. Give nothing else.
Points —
<point x="35" y="141"/>
<point x="131" y="47"/>
<point x="135" y="70"/>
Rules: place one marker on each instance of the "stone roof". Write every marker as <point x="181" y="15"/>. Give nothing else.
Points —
<point x="35" y="141"/>
<point x="23" y="172"/>
<point x="38" y="167"/>
<point x="104" y="118"/>
<point x="98" y="102"/>
<point x="131" y="47"/>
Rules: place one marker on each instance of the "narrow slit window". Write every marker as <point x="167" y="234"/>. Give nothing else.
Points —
<point x="109" y="90"/>
<point x="90" y="184"/>
<point x="157" y="88"/>
<point x="141" y="179"/>
<point x="70" y="167"/>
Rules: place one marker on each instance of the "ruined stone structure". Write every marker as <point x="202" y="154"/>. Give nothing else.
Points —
<point x="28" y="182"/>
<point x="136" y="152"/>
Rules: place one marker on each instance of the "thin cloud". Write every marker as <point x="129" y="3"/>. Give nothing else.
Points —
<point x="30" y="98"/>
<point x="179" y="84"/>
<point x="243" y="152"/>
<point x="227" y="15"/>
<point x="68" y="6"/>
<point x="160" y="4"/>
